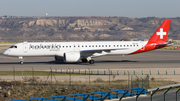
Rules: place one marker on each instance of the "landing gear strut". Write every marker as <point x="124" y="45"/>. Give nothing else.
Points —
<point x="88" y="59"/>
<point x="21" y="60"/>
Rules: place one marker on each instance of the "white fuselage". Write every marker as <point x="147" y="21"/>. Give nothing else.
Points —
<point x="59" y="48"/>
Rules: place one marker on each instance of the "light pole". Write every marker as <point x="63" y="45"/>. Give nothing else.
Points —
<point x="109" y="76"/>
<point x="128" y="79"/>
<point x="14" y="73"/>
<point x="33" y="73"/>
<point x="51" y="75"/>
<point x="70" y="77"/>
<point x="89" y="76"/>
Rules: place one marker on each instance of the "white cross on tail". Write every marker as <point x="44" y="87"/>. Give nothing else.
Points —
<point x="161" y="33"/>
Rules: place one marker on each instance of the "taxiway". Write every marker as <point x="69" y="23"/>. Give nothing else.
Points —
<point x="152" y="59"/>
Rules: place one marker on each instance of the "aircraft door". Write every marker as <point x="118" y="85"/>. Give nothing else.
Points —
<point x="142" y="45"/>
<point x="75" y="47"/>
<point x="25" y="47"/>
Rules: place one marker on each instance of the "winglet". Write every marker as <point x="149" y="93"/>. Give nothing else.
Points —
<point x="160" y="36"/>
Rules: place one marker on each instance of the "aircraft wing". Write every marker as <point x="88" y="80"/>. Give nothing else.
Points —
<point x="87" y="53"/>
<point x="100" y="50"/>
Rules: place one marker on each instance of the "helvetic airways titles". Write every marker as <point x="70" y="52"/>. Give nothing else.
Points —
<point x="52" y="46"/>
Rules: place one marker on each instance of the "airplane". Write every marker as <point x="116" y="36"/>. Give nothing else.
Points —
<point x="73" y="52"/>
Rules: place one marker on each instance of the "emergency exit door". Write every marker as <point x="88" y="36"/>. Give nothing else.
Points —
<point x="25" y="47"/>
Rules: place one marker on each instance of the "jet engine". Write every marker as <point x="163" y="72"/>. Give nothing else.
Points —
<point x="72" y="57"/>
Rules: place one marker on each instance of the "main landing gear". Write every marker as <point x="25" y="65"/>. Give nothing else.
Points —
<point x="21" y="60"/>
<point x="84" y="60"/>
<point x="88" y="59"/>
<point x="91" y="61"/>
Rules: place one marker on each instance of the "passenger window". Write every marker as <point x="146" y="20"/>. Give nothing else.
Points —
<point x="102" y="45"/>
<point x="124" y="45"/>
<point x="74" y="46"/>
<point x="99" y="45"/>
<point x="120" y="45"/>
<point x="137" y="45"/>
<point x="109" y="45"/>
<point x="127" y="45"/>
<point x="89" y="45"/>
<point x="96" y="45"/>
<point x="131" y="45"/>
<point x="92" y="45"/>
<point x="134" y="45"/>
<point x="117" y="45"/>
<point x="114" y="45"/>
<point x="82" y="45"/>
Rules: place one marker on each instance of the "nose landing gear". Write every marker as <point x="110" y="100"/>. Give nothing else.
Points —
<point x="21" y="60"/>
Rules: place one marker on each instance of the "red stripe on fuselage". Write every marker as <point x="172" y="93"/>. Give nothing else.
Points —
<point x="147" y="47"/>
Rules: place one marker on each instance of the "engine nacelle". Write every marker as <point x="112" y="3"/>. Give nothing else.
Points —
<point x="72" y="57"/>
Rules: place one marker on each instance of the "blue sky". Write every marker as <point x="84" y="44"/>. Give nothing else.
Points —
<point x="124" y="8"/>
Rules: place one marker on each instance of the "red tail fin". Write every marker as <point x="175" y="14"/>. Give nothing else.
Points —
<point x="160" y="36"/>
<point x="158" y="39"/>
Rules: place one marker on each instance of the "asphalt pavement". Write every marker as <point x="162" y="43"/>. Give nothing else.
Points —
<point x="152" y="59"/>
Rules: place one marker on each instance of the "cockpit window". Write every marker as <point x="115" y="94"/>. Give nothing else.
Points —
<point x="13" y="47"/>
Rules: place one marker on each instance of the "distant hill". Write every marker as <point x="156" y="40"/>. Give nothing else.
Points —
<point x="81" y="28"/>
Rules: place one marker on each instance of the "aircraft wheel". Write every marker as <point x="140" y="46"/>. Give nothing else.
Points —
<point x="91" y="61"/>
<point x="21" y="62"/>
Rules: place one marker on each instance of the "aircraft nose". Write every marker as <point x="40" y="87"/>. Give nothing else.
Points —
<point x="5" y="52"/>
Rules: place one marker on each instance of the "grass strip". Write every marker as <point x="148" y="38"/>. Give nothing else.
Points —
<point x="5" y="45"/>
<point x="170" y="47"/>
<point x="30" y="73"/>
